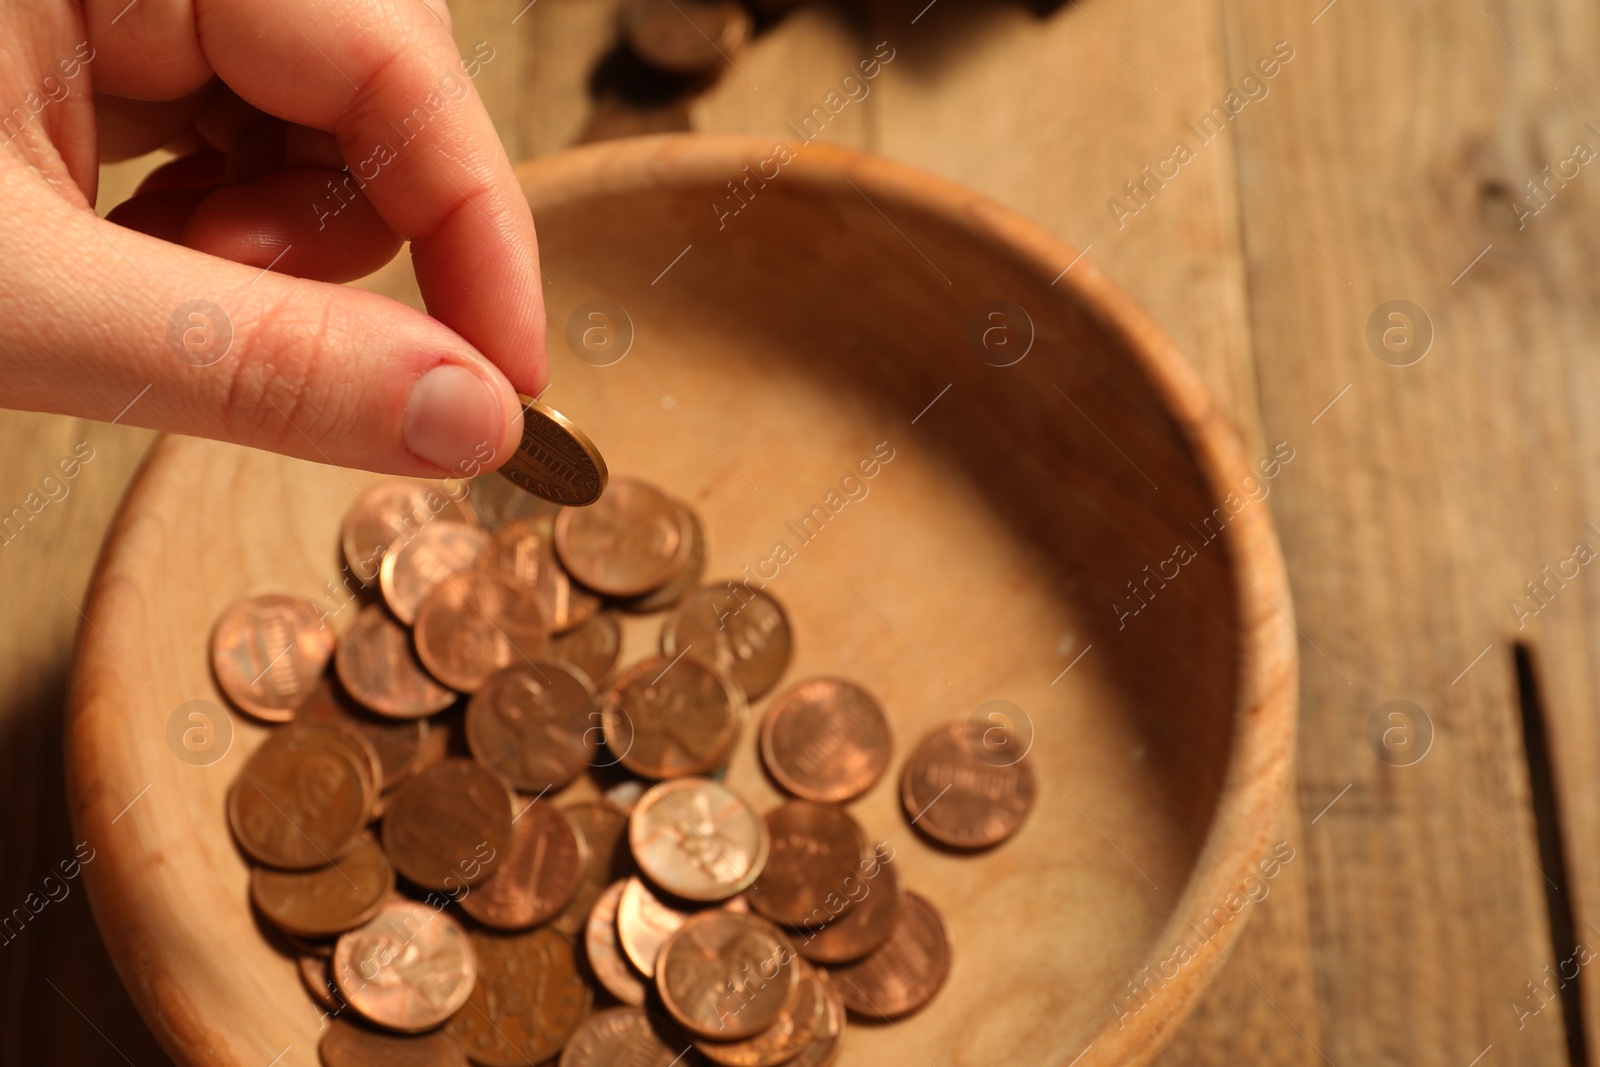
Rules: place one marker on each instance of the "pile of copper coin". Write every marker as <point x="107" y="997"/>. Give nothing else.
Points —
<point x="402" y="822"/>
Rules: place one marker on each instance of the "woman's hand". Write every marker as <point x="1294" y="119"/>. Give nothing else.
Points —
<point x="314" y="136"/>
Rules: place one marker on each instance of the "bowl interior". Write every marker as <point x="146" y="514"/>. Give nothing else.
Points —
<point x="834" y="319"/>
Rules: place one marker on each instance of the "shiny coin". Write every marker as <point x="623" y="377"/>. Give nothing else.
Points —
<point x="594" y="648"/>
<point x="316" y="974"/>
<point x="529" y="999"/>
<point x="449" y="826"/>
<point x="268" y="651"/>
<point x="392" y="511"/>
<point x="525" y="550"/>
<point x="863" y="927"/>
<point x="742" y="630"/>
<point x="378" y="669"/>
<point x="828" y="1039"/>
<point x="604" y="951"/>
<point x="644" y="923"/>
<point x="689" y="568"/>
<point x="726" y="976"/>
<point x="415" y="566"/>
<point x="956" y="792"/>
<point x="534" y="724"/>
<point x="798" y="1021"/>
<point x="555" y="460"/>
<point x="686" y="37"/>
<point x="825" y="739"/>
<point x="619" y="1037"/>
<point x="475" y="623"/>
<point x="664" y="720"/>
<point x="325" y="900"/>
<point x="409" y="969"/>
<point x="347" y="1045"/>
<point x="396" y="742"/>
<point x="697" y="840"/>
<point x="537" y="875"/>
<point x="603" y="831"/>
<point x="299" y="801"/>
<point x="626" y="544"/>
<point x="811" y="871"/>
<point x="905" y="972"/>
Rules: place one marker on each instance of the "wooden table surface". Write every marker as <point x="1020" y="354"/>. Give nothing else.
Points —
<point x="1438" y="911"/>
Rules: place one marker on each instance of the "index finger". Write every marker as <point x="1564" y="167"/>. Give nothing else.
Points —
<point x="387" y="81"/>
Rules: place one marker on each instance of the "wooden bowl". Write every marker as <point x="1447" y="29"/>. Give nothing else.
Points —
<point x="1026" y="512"/>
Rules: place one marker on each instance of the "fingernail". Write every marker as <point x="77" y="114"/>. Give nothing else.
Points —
<point x="452" y="413"/>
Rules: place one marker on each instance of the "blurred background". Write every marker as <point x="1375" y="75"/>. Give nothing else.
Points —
<point x="1372" y="228"/>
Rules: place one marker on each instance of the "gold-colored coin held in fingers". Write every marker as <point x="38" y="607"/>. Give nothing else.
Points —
<point x="555" y="460"/>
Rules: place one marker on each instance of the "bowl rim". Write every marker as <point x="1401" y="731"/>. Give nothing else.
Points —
<point x="1255" y="780"/>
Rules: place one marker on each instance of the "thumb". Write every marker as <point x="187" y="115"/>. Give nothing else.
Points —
<point x="107" y="323"/>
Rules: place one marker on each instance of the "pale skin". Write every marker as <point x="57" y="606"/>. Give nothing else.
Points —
<point x="265" y="102"/>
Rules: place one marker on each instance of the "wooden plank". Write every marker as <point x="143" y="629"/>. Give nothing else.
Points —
<point x="1015" y="105"/>
<point x="52" y="966"/>
<point x="1421" y="500"/>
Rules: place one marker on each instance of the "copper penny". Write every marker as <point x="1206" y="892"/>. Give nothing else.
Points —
<point x="619" y="1037"/>
<point x="905" y="972"/>
<point x="957" y="792"/>
<point x="798" y="1020"/>
<point x="555" y="460"/>
<point x="603" y="831"/>
<point x="348" y="1045"/>
<point x="389" y="512"/>
<point x="325" y="900"/>
<point x="529" y="999"/>
<point x="396" y="742"/>
<point x="410" y="572"/>
<point x="475" y="623"/>
<point x="449" y="826"/>
<point x="604" y="951"/>
<point x="726" y="976"/>
<point x="828" y="1039"/>
<point x="593" y="647"/>
<point x="408" y="969"/>
<point x="811" y="871"/>
<point x="316" y="974"/>
<point x="525" y="550"/>
<point x="378" y="669"/>
<point x="666" y="719"/>
<point x="536" y="877"/>
<point x="686" y="37"/>
<point x="534" y="724"/>
<point x="267" y="652"/>
<point x="825" y="739"/>
<point x="742" y="630"/>
<point x="349" y="740"/>
<point x="626" y="544"/>
<point x="298" y="802"/>
<point x="644" y="923"/>
<point x="697" y="840"/>
<point x="689" y="568"/>
<point x="862" y="928"/>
